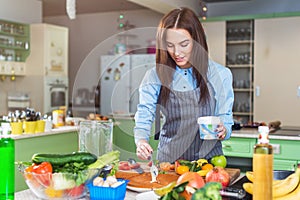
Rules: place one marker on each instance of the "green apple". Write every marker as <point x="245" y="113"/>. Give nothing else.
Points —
<point x="219" y="161"/>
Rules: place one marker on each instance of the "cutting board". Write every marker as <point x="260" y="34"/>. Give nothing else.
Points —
<point x="234" y="173"/>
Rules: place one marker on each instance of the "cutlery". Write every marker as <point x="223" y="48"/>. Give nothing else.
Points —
<point x="133" y="162"/>
<point x="153" y="170"/>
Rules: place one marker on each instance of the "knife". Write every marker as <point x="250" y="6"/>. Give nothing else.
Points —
<point x="133" y="165"/>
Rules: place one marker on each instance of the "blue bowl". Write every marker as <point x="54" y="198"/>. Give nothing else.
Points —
<point x="108" y="193"/>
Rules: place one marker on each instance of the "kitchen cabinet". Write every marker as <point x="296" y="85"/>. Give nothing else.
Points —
<point x="12" y="68"/>
<point x="285" y="157"/>
<point x="239" y="147"/>
<point x="231" y="44"/>
<point x="49" y="50"/>
<point x="14" y="47"/>
<point x="277" y="58"/>
<point x="48" y="65"/>
<point x="239" y="58"/>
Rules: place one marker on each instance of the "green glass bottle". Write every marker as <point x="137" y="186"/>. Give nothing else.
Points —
<point x="7" y="167"/>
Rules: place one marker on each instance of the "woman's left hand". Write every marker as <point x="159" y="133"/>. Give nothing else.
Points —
<point x="221" y="131"/>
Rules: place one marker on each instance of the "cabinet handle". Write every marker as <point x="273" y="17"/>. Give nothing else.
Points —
<point x="298" y="91"/>
<point x="226" y="146"/>
<point x="257" y="91"/>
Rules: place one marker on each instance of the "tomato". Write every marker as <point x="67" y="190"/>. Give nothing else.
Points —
<point x="124" y="166"/>
<point x="43" y="168"/>
<point x="76" y="191"/>
<point x="195" y="181"/>
<point x="43" y="173"/>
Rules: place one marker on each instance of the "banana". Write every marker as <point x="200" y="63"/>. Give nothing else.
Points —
<point x="165" y="189"/>
<point x="201" y="162"/>
<point x="286" y="186"/>
<point x="293" y="194"/>
<point x="249" y="175"/>
<point x="203" y="172"/>
<point x="248" y="187"/>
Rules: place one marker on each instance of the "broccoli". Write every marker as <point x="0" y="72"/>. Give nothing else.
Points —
<point x="199" y="194"/>
<point x="213" y="194"/>
<point x="214" y="185"/>
<point x="211" y="191"/>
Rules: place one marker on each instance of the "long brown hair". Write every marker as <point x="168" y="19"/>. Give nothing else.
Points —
<point x="183" y="18"/>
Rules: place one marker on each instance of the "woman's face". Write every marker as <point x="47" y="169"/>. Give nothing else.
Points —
<point x="179" y="45"/>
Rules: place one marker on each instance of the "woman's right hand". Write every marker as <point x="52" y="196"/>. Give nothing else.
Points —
<point x="143" y="150"/>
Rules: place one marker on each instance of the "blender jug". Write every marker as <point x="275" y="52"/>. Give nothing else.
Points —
<point x="95" y="137"/>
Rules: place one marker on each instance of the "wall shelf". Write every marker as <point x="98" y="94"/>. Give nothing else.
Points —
<point x="239" y="58"/>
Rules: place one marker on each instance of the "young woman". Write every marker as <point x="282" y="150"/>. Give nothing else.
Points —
<point x="185" y="85"/>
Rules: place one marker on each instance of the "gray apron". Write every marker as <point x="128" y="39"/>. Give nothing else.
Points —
<point x="179" y="137"/>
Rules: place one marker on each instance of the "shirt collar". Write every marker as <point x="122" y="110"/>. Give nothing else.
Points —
<point x="182" y="71"/>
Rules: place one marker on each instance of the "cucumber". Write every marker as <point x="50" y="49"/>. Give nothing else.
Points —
<point x="62" y="159"/>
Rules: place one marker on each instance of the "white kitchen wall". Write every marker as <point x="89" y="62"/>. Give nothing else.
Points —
<point x="89" y="30"/>
<point x="24" y="11"/>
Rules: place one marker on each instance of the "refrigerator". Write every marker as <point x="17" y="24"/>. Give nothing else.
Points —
<point x="120" y="78"/>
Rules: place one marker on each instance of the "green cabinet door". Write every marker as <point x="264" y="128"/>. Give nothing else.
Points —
<point x="239" y="147"/>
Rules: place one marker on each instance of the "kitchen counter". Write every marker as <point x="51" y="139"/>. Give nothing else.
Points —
<point x="279" y="134"/>
<point x="55" y="131"/>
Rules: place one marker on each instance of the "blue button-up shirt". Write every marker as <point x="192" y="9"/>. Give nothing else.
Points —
<point x="220" y="79"/>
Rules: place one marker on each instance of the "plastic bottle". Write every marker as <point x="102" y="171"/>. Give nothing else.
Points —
<point x="7" y="167"/>
<point x="263" y="166"/>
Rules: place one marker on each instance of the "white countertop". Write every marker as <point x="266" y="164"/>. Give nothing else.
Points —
<point x="54" y="131"/>
<point x="253" y="133"/>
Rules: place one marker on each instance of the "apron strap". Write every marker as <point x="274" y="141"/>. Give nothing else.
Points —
<point x="157" y="117"/>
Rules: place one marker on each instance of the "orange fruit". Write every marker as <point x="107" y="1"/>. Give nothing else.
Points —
<point x="207" y="166"/>
<point x="182" y="169"/>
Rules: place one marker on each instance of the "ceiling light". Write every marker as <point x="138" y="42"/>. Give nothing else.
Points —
<point x="71" y="8"/>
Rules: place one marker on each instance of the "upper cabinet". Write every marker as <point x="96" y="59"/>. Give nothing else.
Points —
<point x="14" y="47"/>
<point x="14" y="41"/>
<point x="230" y="43"/>
<point x="277" y="66"/>
<point x="49" y="50"/>
<point x="239" y="58"/>
<point x="263" y="56"/>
